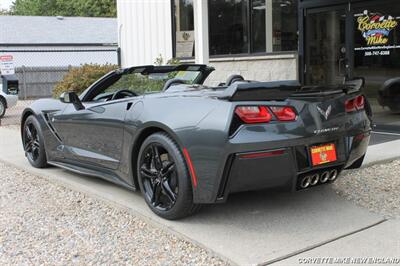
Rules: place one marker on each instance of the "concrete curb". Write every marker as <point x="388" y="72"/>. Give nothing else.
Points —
<point x="322" y="244"/>
<point x="382" y="153"/>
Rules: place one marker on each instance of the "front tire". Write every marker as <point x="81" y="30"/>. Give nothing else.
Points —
<point x="164" y="178"/>
<point x="33" y="142"/>
<point x="2" y="107"/>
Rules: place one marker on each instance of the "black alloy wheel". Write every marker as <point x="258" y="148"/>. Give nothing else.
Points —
<point x="33" y="144"/>
<point x="159" y="177"/>
<point x="164" y="178"/>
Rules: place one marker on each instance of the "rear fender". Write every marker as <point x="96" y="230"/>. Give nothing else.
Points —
<point x="203" y="134"/>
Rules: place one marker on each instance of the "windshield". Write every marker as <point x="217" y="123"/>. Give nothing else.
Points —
<point x="133" y="84"/>
<point x="134" y="81"/>
<point x="142" y="84"/>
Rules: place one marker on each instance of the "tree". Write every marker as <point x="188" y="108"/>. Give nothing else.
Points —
<point x="78" y="8"/>
<point x="4" y="12"/>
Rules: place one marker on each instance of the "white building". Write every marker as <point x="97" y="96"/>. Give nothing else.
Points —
<point x="214" y="32"/>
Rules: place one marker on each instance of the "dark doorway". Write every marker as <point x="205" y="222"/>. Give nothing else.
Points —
<point x="325" y="49"/>
<point x="342" y="39"/>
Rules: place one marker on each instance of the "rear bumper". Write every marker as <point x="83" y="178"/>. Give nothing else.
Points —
<point x="284" y="167"/>
<point x="11" y="100"/>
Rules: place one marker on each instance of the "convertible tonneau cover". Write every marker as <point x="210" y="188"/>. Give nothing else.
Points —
<point x="148" y="69"/>
<point x="282" y="90"/>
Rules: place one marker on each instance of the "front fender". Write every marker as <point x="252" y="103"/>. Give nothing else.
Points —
<point x="39" y="109"/>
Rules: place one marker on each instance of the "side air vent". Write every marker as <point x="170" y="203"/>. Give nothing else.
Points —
<point x="53" y="130"/>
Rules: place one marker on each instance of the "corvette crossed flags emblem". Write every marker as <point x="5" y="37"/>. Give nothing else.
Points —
<point x="326" y="113"/>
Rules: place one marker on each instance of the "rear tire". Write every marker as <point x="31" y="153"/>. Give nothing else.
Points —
<point x="164" y="179"/>
<point x="2" y="107"/>
<point x="33" y="141"/>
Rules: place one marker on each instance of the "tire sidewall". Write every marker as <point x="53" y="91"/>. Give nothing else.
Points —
<point x="41" y="162"/>
<point x="2" y="102"/>
<point x="185" y="194"/>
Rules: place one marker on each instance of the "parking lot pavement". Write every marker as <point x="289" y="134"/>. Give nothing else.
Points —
<point x="13" y="114"/>
<point x="378" y="244"/>
<point x="379" y="137"/>
<point x="251" y="228"/>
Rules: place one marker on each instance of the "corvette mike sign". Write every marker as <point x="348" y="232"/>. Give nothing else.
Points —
<point x="377" y="31"/>
<point x="7" y="65"/>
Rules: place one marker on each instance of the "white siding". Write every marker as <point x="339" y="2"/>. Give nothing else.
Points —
<point x="145" y="31"/>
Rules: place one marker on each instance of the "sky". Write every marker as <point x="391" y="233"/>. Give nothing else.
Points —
<point x="5" y="4"/>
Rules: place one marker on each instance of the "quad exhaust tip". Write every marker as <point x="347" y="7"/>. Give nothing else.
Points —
<point x="333" y="175"/>
<point x="314" y="180"/>
<point x="325" y="177"/>
<point x="305" y="182"/>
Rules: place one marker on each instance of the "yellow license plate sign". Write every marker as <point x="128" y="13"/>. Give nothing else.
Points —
<point x="323" y="154"/>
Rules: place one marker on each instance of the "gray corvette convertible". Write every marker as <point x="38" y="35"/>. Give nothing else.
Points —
<point x="157" y="129"/>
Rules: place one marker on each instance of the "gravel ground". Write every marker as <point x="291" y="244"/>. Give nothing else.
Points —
<point x="376" y="188"/>
<point x="44" y="223"/>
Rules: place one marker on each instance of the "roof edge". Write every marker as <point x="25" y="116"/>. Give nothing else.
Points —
<point x="57" y="44"/>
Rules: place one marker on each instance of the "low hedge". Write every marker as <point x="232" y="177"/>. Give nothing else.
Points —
<point x="80" y="78"/>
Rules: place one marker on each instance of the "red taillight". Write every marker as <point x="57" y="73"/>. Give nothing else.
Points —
<point x="355" y="104"/>
<point x="350" y="106"/>
<point x="360" y="102"/>
<point x="284" y="113"/>
<point x="254" y="114"/>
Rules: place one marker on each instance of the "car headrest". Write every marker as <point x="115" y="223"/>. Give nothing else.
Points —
<point x="232" y="79"/>
<point x="171" y="82"/>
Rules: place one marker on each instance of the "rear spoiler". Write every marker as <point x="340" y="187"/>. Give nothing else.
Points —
<point x="282" y="90"/>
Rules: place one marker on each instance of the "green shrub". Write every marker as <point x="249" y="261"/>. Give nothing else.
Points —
<point x="80" y="78"/>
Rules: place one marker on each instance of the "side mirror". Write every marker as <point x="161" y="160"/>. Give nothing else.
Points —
<point x="72" y="97"/>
